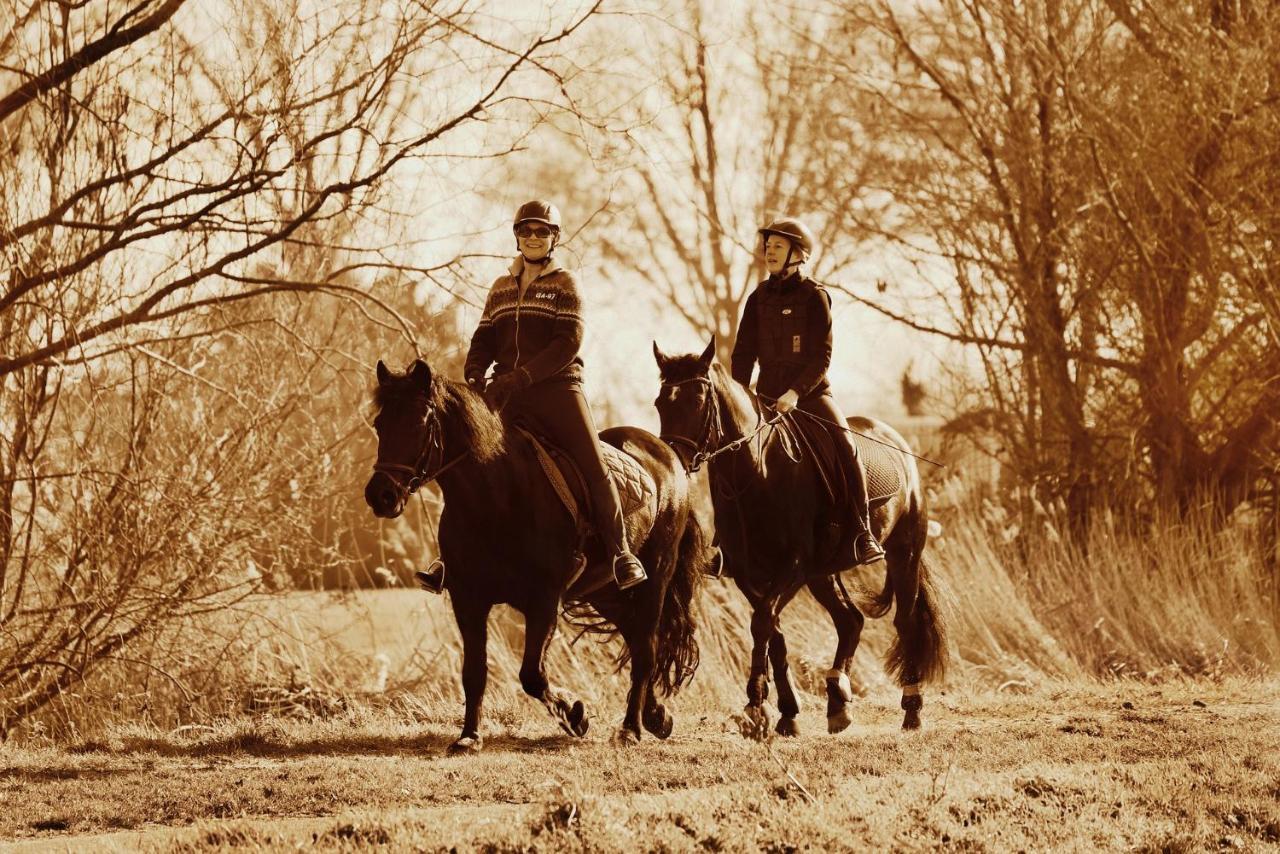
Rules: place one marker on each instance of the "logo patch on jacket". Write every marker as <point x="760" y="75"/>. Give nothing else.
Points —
<point x="786" y="311"/>
<point x="545" y="295"/>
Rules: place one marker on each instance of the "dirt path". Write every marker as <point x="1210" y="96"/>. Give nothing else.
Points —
<point x="1182" y="767"/>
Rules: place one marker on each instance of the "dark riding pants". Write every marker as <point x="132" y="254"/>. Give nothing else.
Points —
<point x="558" y="410"/>
<point x="824" y="406"/>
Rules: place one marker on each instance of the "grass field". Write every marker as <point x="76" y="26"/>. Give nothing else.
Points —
<point x="1177" y="767"/>
<point x="1126" y="704"/>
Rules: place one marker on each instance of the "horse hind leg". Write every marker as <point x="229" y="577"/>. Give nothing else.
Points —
<point x="918" y="653"/>
<point x="848" y="621"/>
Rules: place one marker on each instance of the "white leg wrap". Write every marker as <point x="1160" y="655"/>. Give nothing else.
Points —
<point x="911" y="690"/>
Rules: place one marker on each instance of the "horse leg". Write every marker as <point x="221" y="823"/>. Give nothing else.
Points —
<point x="473" y="620"/>
<point x="788" y="703"/>
<point x="539" y="628"/>
<point x="848" y="621"/>
<point x="919" y="652"/>
<point x="637" y="622"/>
<point x="764" y="624"/>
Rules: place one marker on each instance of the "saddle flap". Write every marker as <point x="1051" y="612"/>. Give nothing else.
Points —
<point x="883" y="466"/>
<point x="635" y="485"/>
<point x="879" y="465"/>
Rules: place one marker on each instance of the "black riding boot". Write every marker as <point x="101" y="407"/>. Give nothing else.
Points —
<point x="865" y="547"/>
<point x="559" y="410"/>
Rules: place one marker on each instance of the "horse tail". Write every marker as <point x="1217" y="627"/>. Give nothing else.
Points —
<point x="918" y="652"/>
<point x="676" y="651"/>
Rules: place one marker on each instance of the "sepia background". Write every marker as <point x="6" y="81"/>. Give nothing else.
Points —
<point x="1048" y="227"/>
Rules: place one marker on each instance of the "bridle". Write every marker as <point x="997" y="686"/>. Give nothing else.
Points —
<point x="712" y="430"/>
<point x="422" y="471"/>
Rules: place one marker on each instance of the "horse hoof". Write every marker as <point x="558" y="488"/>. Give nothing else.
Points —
<point x="572" y="718"/>
<point x="911" y="720"/>
<point x="789" y="727"/>
<point x="466" y="745"/>
<point x="755" y="723"/>
<point x="659" y="722"/>
<point x="626" y="737"/>
<point x="839" y="721"/>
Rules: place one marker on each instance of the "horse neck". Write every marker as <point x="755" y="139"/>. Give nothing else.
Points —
<point x="474" y="482"/>
<point x="738" y="417"/>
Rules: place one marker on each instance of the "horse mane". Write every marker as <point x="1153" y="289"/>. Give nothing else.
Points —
<point x="482" y="431"/>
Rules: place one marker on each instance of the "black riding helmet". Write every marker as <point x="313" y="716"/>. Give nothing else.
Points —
<point x="541" y="212"/>
<point x="795" y="232"/>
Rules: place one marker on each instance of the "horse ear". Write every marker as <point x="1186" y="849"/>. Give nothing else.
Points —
<point x="660" y="357"/>
<point x="383" y="373"/>
<point x="709" y="354"/>
<point x="420" y="373"/>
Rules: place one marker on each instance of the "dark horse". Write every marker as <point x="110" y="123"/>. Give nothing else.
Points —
<point x="505" y="537"/>
<point x="778" y="532"/>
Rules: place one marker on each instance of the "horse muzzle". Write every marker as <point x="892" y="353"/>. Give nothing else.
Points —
<point x="384" y="496"/>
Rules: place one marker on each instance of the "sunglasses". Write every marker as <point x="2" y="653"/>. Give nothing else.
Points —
<point x="533" y="231"/>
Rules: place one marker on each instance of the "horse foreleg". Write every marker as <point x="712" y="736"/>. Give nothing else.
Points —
<point x="848" y="621"/>
<point x="788" y="703"/>
<point x="764" y="623"/>
<point x="540" y="626"/>
<point x="473" y="620"/>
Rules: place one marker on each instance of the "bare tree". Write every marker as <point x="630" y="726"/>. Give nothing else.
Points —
<point x="733" y="129"/>
<point x="1090" y="178"/>
<point x="178" y="192"/>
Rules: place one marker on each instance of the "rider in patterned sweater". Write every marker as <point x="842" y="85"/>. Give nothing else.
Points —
<point x="531" y="331"/>
<point x="786" y="327"/>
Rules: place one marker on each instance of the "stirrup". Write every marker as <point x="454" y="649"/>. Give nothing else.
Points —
<point x="431" y="579"/>
<point x="628" y="571"/>
<point x="715" y="566"/>
<point x="866" y="549"/>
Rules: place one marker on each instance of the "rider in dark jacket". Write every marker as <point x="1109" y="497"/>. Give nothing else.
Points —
<point x="786" y="327"/>
<point x="530" y="332"/>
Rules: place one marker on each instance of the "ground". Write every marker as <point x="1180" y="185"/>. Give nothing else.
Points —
<point x="1127" y="766"/>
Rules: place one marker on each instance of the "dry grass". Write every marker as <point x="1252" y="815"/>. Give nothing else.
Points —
<point x="1025" y="608"/>
<point x="1172" y="767"/>
<point x="1119" y="703"/>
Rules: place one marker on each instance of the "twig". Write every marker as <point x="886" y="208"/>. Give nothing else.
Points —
<point x="769" y="749"/>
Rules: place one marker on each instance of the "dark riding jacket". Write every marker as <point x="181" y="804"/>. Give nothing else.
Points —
<point x="786" y="327"/>
<point x="539" y="330"/>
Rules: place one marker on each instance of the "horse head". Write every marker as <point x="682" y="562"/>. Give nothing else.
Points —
<point x="686" y="403"/>
<point x="410" y="438"/>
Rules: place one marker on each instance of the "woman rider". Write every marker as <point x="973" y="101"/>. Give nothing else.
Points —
<point x="786" y="327"/>
<point x="532" y="329"/>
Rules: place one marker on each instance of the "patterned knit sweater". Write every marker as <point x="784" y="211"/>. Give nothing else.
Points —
<point x="538" y="330"/>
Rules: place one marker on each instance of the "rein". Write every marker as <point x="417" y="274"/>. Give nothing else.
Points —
<point x="712" y="430"/>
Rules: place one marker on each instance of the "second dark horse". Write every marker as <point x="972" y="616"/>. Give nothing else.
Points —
<point x="506" y="538"/>
<point x="778" y="534"/>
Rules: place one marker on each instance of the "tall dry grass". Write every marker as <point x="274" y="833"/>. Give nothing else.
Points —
<point x="1024" y="604"/>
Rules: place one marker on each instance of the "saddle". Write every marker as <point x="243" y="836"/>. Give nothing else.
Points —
<point x="636" y="487"/>
<point x="882" y="466"/>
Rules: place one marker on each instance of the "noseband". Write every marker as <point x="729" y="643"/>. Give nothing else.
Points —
<point x="422" y="471"/>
